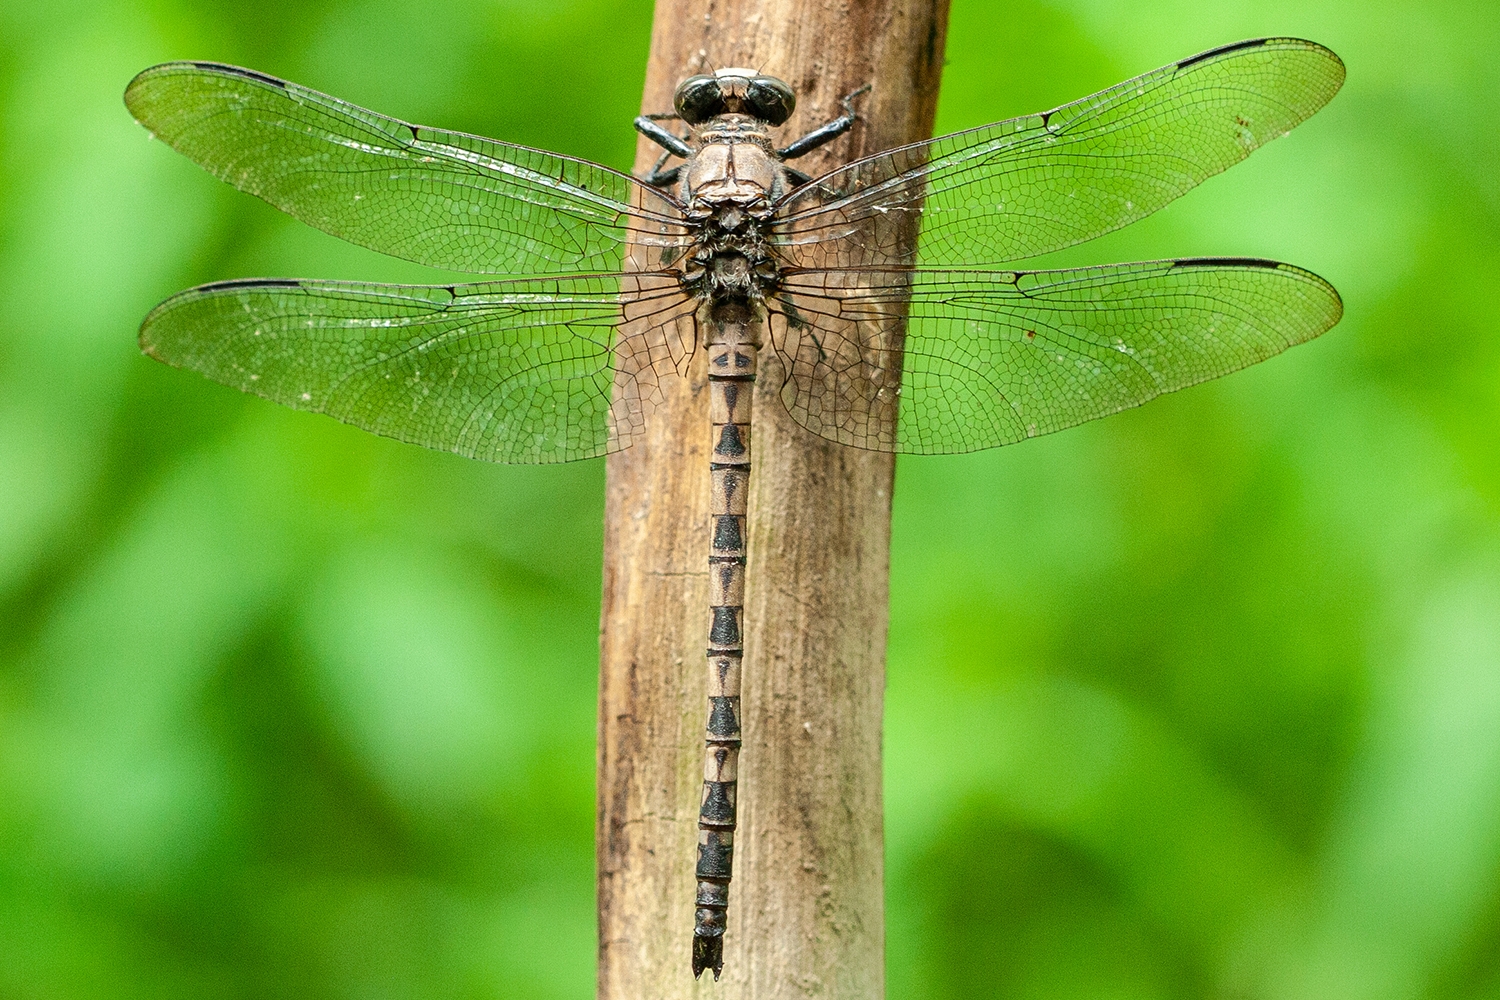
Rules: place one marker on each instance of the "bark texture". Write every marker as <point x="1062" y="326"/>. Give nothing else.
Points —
<point x="806" y="915"/>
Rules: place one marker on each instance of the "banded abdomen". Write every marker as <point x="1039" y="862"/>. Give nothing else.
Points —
<point x="731" y="381"/>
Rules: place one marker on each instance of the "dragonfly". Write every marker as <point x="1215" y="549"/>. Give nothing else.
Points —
<point x="880" y="299"/>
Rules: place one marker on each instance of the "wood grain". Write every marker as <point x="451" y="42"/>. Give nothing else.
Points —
<point x="806" y="916"/>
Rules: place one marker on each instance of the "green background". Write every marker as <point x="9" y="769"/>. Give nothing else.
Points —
<point x="1200" y="700"/>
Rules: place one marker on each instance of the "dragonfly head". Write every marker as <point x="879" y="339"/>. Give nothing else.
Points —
<point x="734" y="91"/>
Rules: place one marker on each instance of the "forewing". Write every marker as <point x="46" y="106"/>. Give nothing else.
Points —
<point x="1031" y="185"/>
<point x="995" y="357"/>
<point x="445" y="199"/>
<point x="543" y="370"/>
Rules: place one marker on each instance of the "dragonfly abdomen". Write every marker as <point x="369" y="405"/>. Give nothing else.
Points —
<point x="731" y="382"/>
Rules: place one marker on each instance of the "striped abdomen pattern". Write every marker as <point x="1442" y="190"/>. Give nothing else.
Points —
<point x="731" y="380"/>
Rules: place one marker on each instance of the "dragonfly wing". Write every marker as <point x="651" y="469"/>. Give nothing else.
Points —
<point x="532" y="371"/>
<point x="445" y="199"/>
<point x="994" y="357"/>
<point x="1027" y="186"/>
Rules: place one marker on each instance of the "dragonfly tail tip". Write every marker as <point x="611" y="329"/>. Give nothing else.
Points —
<point x="708" y="953"/>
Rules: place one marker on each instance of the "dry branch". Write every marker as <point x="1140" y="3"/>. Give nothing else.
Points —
<point x="806" y="915"/>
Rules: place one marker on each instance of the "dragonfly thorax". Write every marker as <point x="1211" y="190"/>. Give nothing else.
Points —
<point x="734" y="163"/>
<point x="730" y="273"/>
<point x="729" y="187"/>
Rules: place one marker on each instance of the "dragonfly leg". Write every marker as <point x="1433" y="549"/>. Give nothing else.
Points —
<point x="671" y="145"/>
<point x="796" y="177"/>
<point x="646" y="126"/>
<point x="663" y="178"/>
<point x="825" y="133"/>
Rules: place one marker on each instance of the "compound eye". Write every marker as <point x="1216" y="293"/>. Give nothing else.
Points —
<point x="699" y="98"/>
<point x="770" y="99"/>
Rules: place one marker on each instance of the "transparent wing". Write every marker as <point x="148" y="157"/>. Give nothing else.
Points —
<point x="994" y="357"/>
<point x="1031" y="185"/>
<point x="440" y="198"/>
<point x="541" y="370"/>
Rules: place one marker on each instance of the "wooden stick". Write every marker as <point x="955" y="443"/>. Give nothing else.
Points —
<point x="807" y="913"/>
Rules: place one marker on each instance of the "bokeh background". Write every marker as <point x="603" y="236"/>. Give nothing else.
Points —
<point x="290" y="711"/>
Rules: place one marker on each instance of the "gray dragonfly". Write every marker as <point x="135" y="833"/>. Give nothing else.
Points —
<point x="879" y="288"/>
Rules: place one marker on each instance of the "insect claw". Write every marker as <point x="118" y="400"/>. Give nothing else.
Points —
<point x="848" y="102"/>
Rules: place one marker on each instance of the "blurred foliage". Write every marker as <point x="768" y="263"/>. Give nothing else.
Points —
<point x="1201" y="700"/>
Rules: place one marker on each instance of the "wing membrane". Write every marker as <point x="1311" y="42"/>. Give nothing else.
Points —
<point x="991" y="357"/>
<point x="440" y="198"/>
<point x="510" y="371"/>
<point x="1019" y="188"/>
